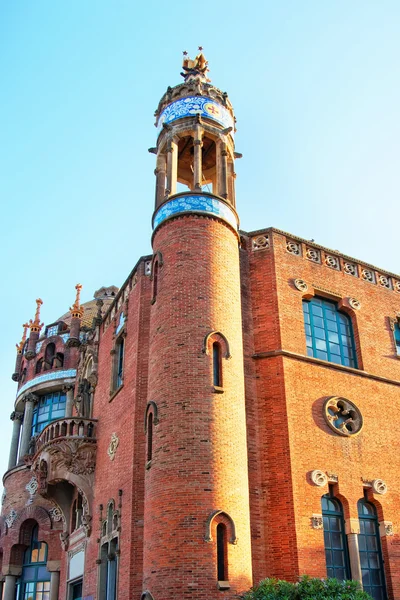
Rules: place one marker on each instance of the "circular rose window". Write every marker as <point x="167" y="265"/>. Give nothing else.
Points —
<point x="342" y="416"/>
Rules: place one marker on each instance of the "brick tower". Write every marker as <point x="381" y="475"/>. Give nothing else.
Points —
<point x="196" y="521"/>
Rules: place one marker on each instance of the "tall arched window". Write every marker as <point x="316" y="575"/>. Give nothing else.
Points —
<point x="49" y="356"/>
<point x="369" y="544"/>
<point x="335" y="542"/>
<point x="150" y="437"/>
<point x="35" y="578"/>
<point x="217" y="364"/>
<point x="222" y="568"/>
<point x="49" y="408"/>
<point x="329" y="332"/>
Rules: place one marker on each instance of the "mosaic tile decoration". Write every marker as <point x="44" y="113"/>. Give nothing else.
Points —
<point x="198" y="203"/>
<point x="196" y="105"/>
<point x="47" y="377"/>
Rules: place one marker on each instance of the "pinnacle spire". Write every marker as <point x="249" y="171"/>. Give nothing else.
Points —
<point x="21" y="345"/>
<point x="76" y="309"/>
<point x="195" y="69"/>
<point x="36" y="325"/>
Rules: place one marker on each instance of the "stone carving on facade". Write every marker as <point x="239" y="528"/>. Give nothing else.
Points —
<point x="379" y="486"/>
<point x="342" y="416"/>
<point x="368" y="275"/>
<point x="86" y="516"/>
<point x="64" y="539"/>
<point x="10" y="518"/>
<point x="332" y="262"/>
<point x="389" y="531"/>
<point x="293" y="247"/>
<point x="354" y="303"/>
<point x="317" y="522"/>
<point x="313" y="254"/>
<point x="114" y="443"/>
<point x="319" y="478"/>
<point x="384" y="281"/>
<point x="83" y="399"/>
<point x="56" y="514"/>
<point x="332" y="477"/>
<point x="350" y="268"/>
<point x="75" y="456"/>
<point x="396" y="286"/>
<point x="31" y="488"/>
<point x="300" y="285"/>
<point x="260" y="242"/>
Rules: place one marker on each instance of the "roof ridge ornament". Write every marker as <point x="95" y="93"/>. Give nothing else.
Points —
<point x="195" y="69"/>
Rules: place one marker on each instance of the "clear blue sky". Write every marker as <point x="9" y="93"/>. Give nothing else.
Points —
<point x="315" y="87"/>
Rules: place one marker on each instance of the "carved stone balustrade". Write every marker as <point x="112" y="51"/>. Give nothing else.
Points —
<point x="73" y="427"/>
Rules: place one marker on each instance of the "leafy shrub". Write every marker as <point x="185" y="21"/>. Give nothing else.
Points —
<point x="307" y="588"/>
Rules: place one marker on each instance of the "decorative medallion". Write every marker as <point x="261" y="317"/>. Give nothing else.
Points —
<point x="313" y="255"/>
<point x="319" y="478"/>
<point x="354" y="303"/>
<point x="10" y="518"/>
<point x="384" y="281"/>
<point x="350" y="268"/>
<point x="260" y="242"/>
<point x="31" y="488"/>
<point x="147" y="267"/>
<point x="293" y="247"/>
<point x="332" y="262"/>
<point x="190" y="106"/>
<point x="379" y="486"/>
<point x="389" y="528"/>
<point x="112" y="449"/>
<point x="342" y="416"/>
<point x="198" y="203"/>
<point x="300" y="285"/>
<point x="317" y="522"/>
<point x="56" y="514"/>
<point x="396" y="286"/>
<point x="368" y="275"/>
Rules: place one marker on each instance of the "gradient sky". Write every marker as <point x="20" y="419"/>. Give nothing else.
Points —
<point x="315" y="87"/>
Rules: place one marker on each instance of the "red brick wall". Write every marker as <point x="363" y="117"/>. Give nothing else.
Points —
<point x="199" y="445"/>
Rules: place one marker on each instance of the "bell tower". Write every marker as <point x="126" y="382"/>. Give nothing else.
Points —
<point x="197" y="522"/>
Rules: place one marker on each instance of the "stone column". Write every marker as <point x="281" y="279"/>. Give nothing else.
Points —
<point x="160" y="179"/>
<point x="9" y="587"/>
<point x="224" y="171"/>
<point x="54" y="584"/>
<point x="29" y="401"/>
<point x="1" y="588"/>
<point x="172" y="167"/>
<point x="352" y="528"/>
<point x="69" y="389"/>
<point x="12" y="461"/>
<point x="197" y="159"/>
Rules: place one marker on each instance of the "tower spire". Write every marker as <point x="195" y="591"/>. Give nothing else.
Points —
<point x="21" y="345"/>
<point x="35" y="326"/>
<point x="196" y="68"/>
<point x="20" y="349"/>
<point x="76" y="309"/>
<point x="76" y="315"/>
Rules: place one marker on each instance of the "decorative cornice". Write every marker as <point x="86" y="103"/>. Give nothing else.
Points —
<point x="323" y="363"/>
<point x="54" y="376"/>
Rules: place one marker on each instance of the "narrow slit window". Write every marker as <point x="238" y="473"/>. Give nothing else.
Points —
<point x="217" y="375"/>
<point x="396" y="334"/>
<point x="150" y="437"/>
<point x="222" y="572"/>
<point x="120" y="363"/>
<point x="155" y="280"/>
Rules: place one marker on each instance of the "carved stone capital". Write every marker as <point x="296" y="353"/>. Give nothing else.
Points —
<point x="29" y="398"/>
<point x="68" y="387"/>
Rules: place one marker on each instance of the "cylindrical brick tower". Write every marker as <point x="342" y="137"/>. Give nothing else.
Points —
<point x="197" y="523"/>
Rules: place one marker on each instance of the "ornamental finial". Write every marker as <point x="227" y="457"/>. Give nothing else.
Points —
<point x="36" y="325"/>
<point x="76" y="309"/>
<point x="195" y="69"/>
<point x="21" y="345"/>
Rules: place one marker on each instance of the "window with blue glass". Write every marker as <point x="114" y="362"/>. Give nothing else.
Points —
<point x="335" y="542"/>
<point x="329" y="333"/>
<point x="396" y="334"/>
<point x="369" y="545"/>
<point x="49" y="408"/>
<point x="34" y="583"/>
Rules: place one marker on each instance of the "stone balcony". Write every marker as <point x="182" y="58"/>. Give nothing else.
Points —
<point x="65" y="451"/>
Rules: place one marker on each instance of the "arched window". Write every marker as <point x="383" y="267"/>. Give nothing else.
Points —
<point x="369" y="544"/>
<point x="150" y="437"/>
<point x="109" y="553"/>
<point x="39" y="365"/>
<point x="58" y="360"/>
<point x="335" y="542"/>
<point x="222" y="568"/>
<point x="49" y="356"/>
<point x="49" y="408"/>
<point x="35" y="578"/>
<point x="329" y="332"/>
<point x="217" y="364"/>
